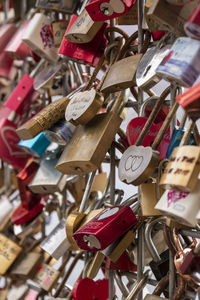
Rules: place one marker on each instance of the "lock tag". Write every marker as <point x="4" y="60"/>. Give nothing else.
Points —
<point x="9" y="251"/>
<point x="181" y="65"/>
<point x="105" y="228"/>
<point x="102" y="10"/>
<point x="56" y="243"/>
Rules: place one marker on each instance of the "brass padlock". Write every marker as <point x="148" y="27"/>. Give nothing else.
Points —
<point x="39" y="38"/>
<point x="157" y="17"/>
<point x="9" y="251"/>
<point x="43" y="120"/>
<point x="89" y="144"/>
<point x="83" y="29"/>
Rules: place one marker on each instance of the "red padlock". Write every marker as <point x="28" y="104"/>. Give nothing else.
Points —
<point x="123" y="263"/>
<point x="190" y="101"/>
<point x="16" y="47"/>
<point x="105" y="228"/>
<point x="133" y="131"/>
<point x="89" y="53"/>
<point x="102" y="10"/>
<point x="22" y="96"/>
<point x="9" y="149"/>
<point x="88" y="289"/>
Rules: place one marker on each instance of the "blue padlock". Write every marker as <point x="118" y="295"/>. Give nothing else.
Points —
<point x="176" y="139"/>
<point x="36" y="146"/>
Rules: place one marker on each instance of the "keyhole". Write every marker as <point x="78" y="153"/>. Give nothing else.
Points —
<point x="124" y="222"/>
<point x="44" y="188"/>
<point x="147" y="70"/>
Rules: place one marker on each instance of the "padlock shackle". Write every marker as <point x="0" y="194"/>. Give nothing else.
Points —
<point x="187" y="133"/>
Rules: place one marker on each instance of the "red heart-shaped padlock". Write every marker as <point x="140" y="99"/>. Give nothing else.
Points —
<point x="135" y="127"/>
<point x="88" y="289"/>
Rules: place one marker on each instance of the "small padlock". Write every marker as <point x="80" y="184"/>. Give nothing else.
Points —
<point x="192" y="26"/>
<point x="48" y="180"/>
<point x="36" y="146"/>
<point x="98" y="233"/>
<point x="176" y="67"/>
<point x="65" y="6"/>
<point x="82" y="29"/>
<point x="59" y="28"/>
<point x="180" y="206"/>
<point x="9" y="251"/>
<point x="181" y="173"/>
<point x="56" y="243"/>
<point x="16" y="47"/>
<point x="190" y="101"/>
<point x="39" y="38"/>
<point x="102" y="10"/>
<point x="90" y="138"/>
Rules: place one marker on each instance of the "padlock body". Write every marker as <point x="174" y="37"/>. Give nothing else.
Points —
<point x="182" y="170"/>
<point x="46" y="277"/>
<point x="105" y="228"/>
<point x="93" y="140"/>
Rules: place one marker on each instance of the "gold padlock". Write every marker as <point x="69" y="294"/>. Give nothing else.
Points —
<point x="89" y="144"/>
<point x="83" y="30"/>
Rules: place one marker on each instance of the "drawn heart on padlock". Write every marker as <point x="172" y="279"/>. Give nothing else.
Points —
<point x="11" y="140"/>
<point x="134" y="128"/>
<point x="88" y="289"/>
<point x="133" y="163"/>
<point x="174" y="196"/>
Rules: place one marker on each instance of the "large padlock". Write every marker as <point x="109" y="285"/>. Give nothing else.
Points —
<point x="99" y="236"/>
<point x="16" y="47"/>
<point x="102" y="10"/>
<point x="180" y="206"/>
<point x="176" y="67"/>
<point x="190" y="101"/>
<point x="9" y="251"/>
<point x="65" y="6"/>
<point x="192" y="26"/>
<point x="39" y="38"/>
<point x="82" y="29"/>
<point x="93" y="140"/>
<point x="157" y="16"/>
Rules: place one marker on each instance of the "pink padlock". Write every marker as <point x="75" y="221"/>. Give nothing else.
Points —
<point x="105" y="228"/>
<point x="102" y="10"/>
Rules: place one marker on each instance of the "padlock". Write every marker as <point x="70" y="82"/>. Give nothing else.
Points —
<point x="102" y="10"/>
<point x="65" y="6"/>
<point x="88" y="289"/>
<point x="47" y="276"/>
<point x="189" y="100"/>
<point x="89" y="53"/>
<point x="59" y="28"/>
<point x="56" y="243"/>
<point x="192" y="26"/>
<point x="181" y="173"/>
<point x="36" y="146"/>
<point x="130" y="18"/>
<point x="61" y="132"/>
<point x="43" y="120"/>
<point x="26" y="266"/>
<point x="157" y="16"/>
<point x="48" y="180"/>
<point x="160" y="263"/>
<point x="146" y="76"/>
<point x="82" y="29"/>
<point x="138" y="163"/>
<point x="16" y="47"/>
<point x="92" y="238"/>
<point x="39" y="37"/>
<point x="176" y="68"/>
<point x="121" y="74"/>
<point x="9" y="251"/>
<point x="180" y="206"/>
<point x="10" y="151"/>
